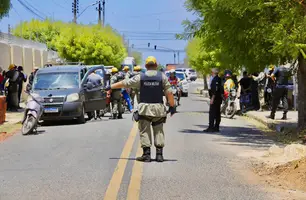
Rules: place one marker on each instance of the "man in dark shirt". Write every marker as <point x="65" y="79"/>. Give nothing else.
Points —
<point x="12" y="97"/>
<point x="215" y="93"/>
<point x="31" y="79"/>
<point x="22" y="78"/>
<point x="245" y="85"/>
<point x="281" y="76"/>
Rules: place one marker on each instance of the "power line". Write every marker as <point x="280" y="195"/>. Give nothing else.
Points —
<point x="151" y="14"/>
<point x="60" y="5"/>
<point x="38" y="11"/>
<point x="30" y="10"/>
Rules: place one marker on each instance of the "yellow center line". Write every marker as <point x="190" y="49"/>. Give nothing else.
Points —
<point x="115" y="182"/>
<point x="135" y="182"/>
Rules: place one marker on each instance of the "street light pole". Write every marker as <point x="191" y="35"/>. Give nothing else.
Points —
<point x="99" y="9"/>
<point x="103" y="8"/>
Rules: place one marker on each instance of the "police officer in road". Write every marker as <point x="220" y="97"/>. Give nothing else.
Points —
<point x="135" y="91"/>
<point x="215" y="94"/>
<point x="151" y="110"/>
<point x="116" y="94"/>
<point x="281" y="76"/>
<point x="127" y="72"/>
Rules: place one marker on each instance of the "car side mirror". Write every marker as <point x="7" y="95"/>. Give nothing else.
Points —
<point x="88" y="86"/>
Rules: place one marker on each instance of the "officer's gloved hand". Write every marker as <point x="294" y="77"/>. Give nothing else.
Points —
<point x="171" y="110"/>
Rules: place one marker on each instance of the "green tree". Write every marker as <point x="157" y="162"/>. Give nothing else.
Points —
<point x="138" y="57"/>
<point x="40" y="31"/>
<point x="254" y="33"/>
<point x="88" y="44"/>
<point x="91" y="45"/>
<point x="5" y="6"/>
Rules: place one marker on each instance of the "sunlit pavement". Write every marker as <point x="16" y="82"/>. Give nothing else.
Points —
<point x="97" y="160"/>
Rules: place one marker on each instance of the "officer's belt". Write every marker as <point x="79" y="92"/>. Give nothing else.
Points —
<point x="162" y="120"/>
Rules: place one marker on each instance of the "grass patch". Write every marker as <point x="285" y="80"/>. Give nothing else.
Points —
<point x="9" y="128"/>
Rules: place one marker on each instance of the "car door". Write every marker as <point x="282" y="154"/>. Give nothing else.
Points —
<point x="95" y="97"/>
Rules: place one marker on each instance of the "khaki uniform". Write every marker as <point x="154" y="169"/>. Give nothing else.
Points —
<point x="154" y="113"/>
<point x="116" y="97"/>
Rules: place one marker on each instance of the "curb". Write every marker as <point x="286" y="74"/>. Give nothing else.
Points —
<point x="271" y="124"/>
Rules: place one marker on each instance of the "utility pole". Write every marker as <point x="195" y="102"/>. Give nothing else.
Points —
<point x="75" y="10"/>
<point x="174" y="57"/>
<point x="9" y="29"/>
<point x="99" y="9"/>
<point x="103" y="7"/>
<point x="178" y="57"/>
<point x="128" y="44"/>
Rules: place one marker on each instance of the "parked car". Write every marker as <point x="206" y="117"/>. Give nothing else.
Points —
<point x="183" y="84"/>
<point x="66" y="93"/>
<point x="191" y="74"/>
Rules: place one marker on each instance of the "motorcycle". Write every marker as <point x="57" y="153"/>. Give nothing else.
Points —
<point x="228" y="106"/>
<point x="175" y="95"/>
<point x="32" y="114"/>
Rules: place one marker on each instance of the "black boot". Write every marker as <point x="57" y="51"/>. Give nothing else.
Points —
<point x="159" y="155"/>
<point x="120" y="116"/>
<point x="284" y="116"/>
<point x="146" y="156"/>
<point x="272" y="116"/>
<point x="216" y="128"/>
<point x="209" y="130"/>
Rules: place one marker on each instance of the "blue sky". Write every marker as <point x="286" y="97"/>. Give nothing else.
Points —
<point x="142" y="21"/>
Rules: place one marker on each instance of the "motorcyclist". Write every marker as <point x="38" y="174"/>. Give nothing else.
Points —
<point x="173" y="80"/>
<point x="229" y="86"/>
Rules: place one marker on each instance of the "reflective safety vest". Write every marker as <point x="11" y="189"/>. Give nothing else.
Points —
<point x="151" y="88"/>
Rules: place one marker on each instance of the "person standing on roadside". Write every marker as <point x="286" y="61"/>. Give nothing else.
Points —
<point x="151" y="109"/>
<point x="281" y="76"/>
<point x="31" y="79"/>
<point x="12" y="97"/>
<point x="22" y="78"/>
<point x="215" y="94"/>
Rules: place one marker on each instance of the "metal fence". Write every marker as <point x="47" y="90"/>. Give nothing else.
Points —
<point x="13" y="40"/>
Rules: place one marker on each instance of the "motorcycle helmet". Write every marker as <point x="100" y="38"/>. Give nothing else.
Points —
<point x="172" y="71"/>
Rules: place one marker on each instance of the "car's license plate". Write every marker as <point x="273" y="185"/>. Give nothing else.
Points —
<point x="51" y="110"/>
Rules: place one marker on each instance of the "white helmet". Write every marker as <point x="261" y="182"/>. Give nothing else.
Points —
<point x="172" y="71"/>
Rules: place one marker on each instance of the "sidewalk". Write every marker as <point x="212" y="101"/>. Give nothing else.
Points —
<point x="277" y="124"/>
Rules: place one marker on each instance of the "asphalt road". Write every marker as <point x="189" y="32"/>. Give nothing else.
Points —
<point x="96" y="161"/>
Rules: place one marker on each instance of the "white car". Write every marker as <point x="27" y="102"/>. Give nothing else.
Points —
<point x="183" y="83"/>
<point x="191" y="74"/>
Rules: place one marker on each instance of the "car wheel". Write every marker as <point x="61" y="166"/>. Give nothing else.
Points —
<point x="186" y="94"/>
<point x="81" y="119"/>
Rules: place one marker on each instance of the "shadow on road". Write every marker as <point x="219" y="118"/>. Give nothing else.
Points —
<point x="238" y="136"/>
<point x="165" y="160"/>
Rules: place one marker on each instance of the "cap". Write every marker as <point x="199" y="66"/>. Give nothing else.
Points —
<point x="151" y="60"/>
<point x="12" y="66"/>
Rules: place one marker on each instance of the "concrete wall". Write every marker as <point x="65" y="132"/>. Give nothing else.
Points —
<point x="37" y="58"/>
<point x="28" y="60"/>
<point x="17" y="55"/>
<point x="5" y="56"/>
<point x="44" y="57"/>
